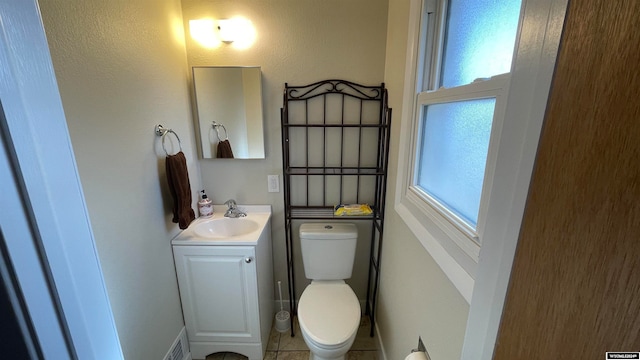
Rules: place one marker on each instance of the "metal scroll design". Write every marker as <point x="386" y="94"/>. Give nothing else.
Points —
<point x="343" y="87"/>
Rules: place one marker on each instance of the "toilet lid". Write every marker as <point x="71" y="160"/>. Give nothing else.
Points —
<point x="329" y="313"/>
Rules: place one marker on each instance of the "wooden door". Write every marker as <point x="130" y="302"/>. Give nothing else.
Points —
<point x="575" y="286"/>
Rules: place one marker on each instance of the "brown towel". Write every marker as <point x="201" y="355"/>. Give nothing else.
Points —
<point x="178" y="179"/>
<point x="224" y="150"/>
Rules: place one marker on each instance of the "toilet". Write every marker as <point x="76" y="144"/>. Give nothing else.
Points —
<point x="328" y="310"/>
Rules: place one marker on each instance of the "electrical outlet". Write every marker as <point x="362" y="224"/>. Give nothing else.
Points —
<point x="273" y="183"/>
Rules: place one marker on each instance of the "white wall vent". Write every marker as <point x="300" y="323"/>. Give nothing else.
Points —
<point x="180" y="348"/>
<point x="177" y="353"/>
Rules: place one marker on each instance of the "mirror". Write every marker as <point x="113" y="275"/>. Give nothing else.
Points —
<point x="229" y="107"/>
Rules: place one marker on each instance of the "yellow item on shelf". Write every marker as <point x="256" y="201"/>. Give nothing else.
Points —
<point x="352" y="210"/>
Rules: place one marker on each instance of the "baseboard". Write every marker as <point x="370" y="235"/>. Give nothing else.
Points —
<point x="382" y="354"/>
<point x="179" y="350"/>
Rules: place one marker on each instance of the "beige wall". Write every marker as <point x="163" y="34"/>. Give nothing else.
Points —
<point x="416" y="298"/>
<point x="298" y="42"/>
<point x="121" y="68"/>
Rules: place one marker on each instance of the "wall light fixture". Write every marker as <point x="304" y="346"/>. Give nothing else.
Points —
<point x="227" y="30"/>
<point x="203" y="32"/>
<point x="211" y="33"/>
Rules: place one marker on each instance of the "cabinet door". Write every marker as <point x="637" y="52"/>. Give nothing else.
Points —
<point x="219" y="295"/>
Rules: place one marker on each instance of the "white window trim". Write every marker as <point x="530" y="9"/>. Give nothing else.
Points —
<point x="455" y="228"/>
<point x="453" y="245"/>
<point x="532" y="70"/>
<point x="458" y="276"/>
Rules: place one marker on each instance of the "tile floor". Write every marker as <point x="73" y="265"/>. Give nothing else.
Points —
<point x="282" y="346"/>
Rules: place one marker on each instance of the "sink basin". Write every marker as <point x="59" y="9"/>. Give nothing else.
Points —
<point x="225" y="227"/>
<point x="221" y="231"/>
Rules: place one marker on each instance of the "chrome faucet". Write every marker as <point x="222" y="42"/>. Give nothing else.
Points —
<point x="233" y="211"/>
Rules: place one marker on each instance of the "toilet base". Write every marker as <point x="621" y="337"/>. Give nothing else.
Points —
<point x="322" y="354"/>
<point x="316" y="357"/>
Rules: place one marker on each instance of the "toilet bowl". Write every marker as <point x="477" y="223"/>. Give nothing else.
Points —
<point x="329" y="317"/>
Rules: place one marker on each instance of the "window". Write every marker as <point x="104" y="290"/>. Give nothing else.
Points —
<point x="452" y="153"/>
<point x="464" y="59"/>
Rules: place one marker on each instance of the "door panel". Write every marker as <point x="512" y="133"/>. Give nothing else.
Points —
<point x="218" y="289"/>
<point x="575" y="286"/>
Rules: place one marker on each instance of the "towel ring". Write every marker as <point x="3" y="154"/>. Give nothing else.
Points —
<point x="161" y="131"/>
<point x="217" y="127"/>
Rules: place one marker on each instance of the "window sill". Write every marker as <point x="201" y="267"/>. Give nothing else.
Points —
<point x="460" y="278"/>
<point x="463" y="236"/>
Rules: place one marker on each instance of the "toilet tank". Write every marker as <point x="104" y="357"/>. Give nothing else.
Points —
<point x="328" y="250"/>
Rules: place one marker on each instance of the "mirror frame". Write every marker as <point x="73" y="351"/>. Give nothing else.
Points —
<point x="210" y="136"/>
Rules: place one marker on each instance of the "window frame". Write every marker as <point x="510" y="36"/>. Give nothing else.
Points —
<point x="460" y="232"/>
<point x="537" y="45"/>
<point x="454" y="245"/>
<point x="431" y="47"/>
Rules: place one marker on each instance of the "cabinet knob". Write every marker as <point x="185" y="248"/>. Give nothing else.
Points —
<point x="248" y="260"/>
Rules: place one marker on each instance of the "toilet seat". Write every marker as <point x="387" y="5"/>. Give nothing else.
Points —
<point x="329" y="313"/>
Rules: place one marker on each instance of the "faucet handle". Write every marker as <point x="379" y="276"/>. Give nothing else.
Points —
<point x="231" y="203"/>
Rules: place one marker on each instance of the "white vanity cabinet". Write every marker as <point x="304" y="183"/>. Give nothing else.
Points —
<point x="227" y="296"/>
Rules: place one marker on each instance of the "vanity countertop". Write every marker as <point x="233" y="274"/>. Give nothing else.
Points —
<point x="202" y="231"/>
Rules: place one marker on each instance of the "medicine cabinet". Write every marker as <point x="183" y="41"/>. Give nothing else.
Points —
<point x="228" y="105"/>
